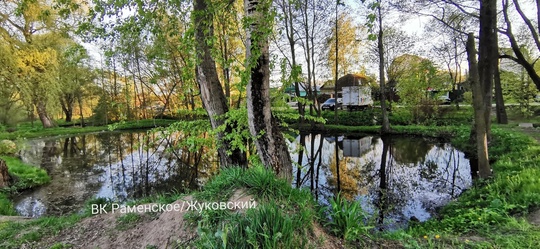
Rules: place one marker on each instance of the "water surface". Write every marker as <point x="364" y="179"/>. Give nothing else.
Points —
<point x="395" y="179"/>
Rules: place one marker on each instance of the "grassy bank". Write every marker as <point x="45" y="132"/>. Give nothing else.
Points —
<point x="493" y="213"/>
<point x="25" y="177"/>
<point x="27" y="131"/>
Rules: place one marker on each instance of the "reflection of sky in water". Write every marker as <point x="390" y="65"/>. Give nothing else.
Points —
<point x="114" y="165"/>
<point x="420" y="174"/>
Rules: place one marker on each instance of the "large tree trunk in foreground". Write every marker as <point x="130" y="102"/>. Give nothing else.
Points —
<point x="479" y="129"/>
<point x="212" y="95"/>
<point x="4" y="175"/>
<point x="269" y="140"/>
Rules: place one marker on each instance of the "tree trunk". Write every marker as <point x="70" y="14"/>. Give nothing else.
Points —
<point x="502" y="118"/>
<point x="212" y="95"/>
<point x="385" y="128"/>
<point x="4" y="174"/>
<point x="269" y="140"/>
<point x="66" y="102"/>
<point x="43" y="116"/>
<point x="79" y="100"/>
<point x="479" y="129"/>
<point x="336" y="65"/>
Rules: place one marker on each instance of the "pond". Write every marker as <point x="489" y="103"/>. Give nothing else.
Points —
<point x="405" y="177"/>
<point x="115" y="165"/>
<point x="395" y="179"/>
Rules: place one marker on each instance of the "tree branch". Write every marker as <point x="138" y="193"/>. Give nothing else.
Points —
<point x="527" y="22"/>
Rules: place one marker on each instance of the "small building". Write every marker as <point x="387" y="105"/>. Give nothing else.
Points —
<point x="303" y="89"/>
<point x="347" y="80"/>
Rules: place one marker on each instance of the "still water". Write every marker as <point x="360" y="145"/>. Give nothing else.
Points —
<point x="395" y="179"/>
<point x="114" y="165"/>
<point x="405" y="177"/>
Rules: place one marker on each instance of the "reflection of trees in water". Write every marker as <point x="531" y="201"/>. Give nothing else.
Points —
<point x="347" y="178"/>
<point x="388" y="183"/>
<point x="153" y="163"/>
<point x="48" y="156"/>
<point x="307" y="173"/>
<point x="407" y="152"/>
<point x="119" y="165"/>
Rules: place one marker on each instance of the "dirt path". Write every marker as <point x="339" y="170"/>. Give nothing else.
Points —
<point x="139" y="230"/>
<point x="149" y="230"/>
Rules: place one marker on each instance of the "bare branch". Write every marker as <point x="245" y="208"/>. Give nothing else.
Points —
<point x="527" y="22"/>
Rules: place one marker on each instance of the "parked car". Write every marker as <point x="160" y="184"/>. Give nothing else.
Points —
<point x="330" y="104"/>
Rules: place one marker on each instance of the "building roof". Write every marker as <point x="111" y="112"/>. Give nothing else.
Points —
<point x="347" y="80"/>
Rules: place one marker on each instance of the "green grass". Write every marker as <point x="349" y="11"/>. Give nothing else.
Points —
<point x="494" y="209"/>
<point x="16" y="234"/>
<point x="127" y="221"/>
<point x="26" y="176"/>
<point x="282" y="219"/>
<point x="6" y="206"/>
<point x="27" y="131"/>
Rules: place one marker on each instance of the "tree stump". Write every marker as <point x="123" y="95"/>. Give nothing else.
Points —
<point x="4" y="175"/>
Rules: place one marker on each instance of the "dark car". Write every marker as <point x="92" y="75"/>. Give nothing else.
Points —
<point x="330" y="104"/>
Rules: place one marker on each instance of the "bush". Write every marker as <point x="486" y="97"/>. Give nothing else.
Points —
<point x="7" y="147"/>
<point x="354" y="118"/>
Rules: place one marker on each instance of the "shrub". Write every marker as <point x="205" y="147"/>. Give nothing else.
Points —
<point x="7" y="147"/>
<point x="353" y="118"/>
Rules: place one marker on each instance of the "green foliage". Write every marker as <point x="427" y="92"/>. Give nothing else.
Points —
<point x="346" y="218"/>
<point x="18" y="233"/>
<point x="26" y="176"/>
<point x="104" y="202"/>
<point x="196" y="114"/>
<point x="281" y="219"/>
<point x="127" y="221"/>
<point x="237" y="137"/>
<point x="263" y="183"/>
<point x="414" y="76"/>
<point x="355" y="118"/>
<point x="7" y="147"/>
<point x="425" y="111"/>
<point x="25" y="130"/>
<point x="6" y="206"/>
<point x="493" y="204"/>
<point x="61" y="246"/>
<point x="519" y="88"/>
<point x="221" y="186"/>
<point x="11" y="112"/>
<point x="189" y="135"/>
<point x="425" y="115"/>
